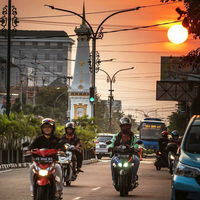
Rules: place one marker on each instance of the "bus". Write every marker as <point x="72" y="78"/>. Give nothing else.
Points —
<point x="150" y="130"/>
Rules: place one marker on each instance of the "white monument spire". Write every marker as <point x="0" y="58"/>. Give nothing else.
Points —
<point x="79" y="104"/>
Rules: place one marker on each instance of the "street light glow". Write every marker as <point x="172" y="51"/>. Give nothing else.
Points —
<point x="48" y="6"/>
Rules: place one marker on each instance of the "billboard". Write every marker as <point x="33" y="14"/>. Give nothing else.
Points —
<point x="172" y="69"/>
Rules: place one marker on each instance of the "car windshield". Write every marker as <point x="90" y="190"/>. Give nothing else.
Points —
<point x="104" y="138"/>
<point x="192" y="142"/>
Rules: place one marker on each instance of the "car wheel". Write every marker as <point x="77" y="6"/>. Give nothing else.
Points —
<point x="158" y="168"/>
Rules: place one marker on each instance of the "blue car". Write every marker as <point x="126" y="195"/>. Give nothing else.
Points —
<point x="186" y="174"/>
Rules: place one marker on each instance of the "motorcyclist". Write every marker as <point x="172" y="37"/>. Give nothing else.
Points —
<point x="175" y="138"/>
<point x="125" y="136"/>
<point x="163" y="141"/>
<point x="50" y="141"/>
<point x="73" y="139"/>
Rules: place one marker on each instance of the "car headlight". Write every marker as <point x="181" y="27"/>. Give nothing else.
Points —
<point x="43" y="172"/>
<point x="188" y="171"/>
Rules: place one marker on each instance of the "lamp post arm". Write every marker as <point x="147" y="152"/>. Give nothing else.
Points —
<point x="121" y="70"/>
<point x="137" y="8"/>
<point x="106" y="73"/>
<point x="59" y="97"/>
<point x="52" y="7"/>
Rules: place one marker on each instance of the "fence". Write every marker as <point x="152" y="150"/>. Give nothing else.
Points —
<point x="17" y="156"/>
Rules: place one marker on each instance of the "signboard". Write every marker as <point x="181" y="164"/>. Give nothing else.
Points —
<point x="172" y="69"/>
<point x="112" y="123"/>
<point x="175" y="91"/>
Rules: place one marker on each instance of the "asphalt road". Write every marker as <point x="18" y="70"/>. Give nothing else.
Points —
<point x="94" y="184"/>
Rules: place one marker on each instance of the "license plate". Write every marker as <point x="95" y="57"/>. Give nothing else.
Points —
<point x="44" y="160"/>
<point x="102" y="146"/>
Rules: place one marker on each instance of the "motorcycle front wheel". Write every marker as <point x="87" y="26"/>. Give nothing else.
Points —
<point x="158" y="168"/>
<point x="122" y="186"/>
<point x="42" y="193"/>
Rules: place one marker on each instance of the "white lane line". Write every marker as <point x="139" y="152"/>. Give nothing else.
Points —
<point x="77" y="198"/>
<point x="96" y="188"/>
<point x="9" y="170"/>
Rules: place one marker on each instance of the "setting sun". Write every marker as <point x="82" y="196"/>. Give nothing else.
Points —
<point x="177" y="34"/>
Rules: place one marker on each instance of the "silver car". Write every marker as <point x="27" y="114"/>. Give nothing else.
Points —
<point x="101" y="149"/>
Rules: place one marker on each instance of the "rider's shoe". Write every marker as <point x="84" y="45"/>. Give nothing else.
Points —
<point x="134" y="184"/>
<point x="31" y="193"/>
<point x="58" y="194"/>
<point x="113" y="183"/>
<point x="79" y="170"/>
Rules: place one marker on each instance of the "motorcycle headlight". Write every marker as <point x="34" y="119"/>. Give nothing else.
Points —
<point x="43" y="172"/>
<point x="66" y="147"/>
<point x="125" y="164"/>
<point x="187" y="171"/>
<point x="120" y="164"/>
<point x="171" y="157"/>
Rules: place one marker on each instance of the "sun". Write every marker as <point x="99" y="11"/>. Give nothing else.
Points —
<point x="177" y="34"/>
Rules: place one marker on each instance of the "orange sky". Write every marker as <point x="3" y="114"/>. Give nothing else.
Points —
<point x="141" y="48"/>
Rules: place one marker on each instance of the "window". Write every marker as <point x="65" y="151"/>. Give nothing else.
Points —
<point x="47" y="45"/>
<point x="47" y="56"/>
<point x="59" y="68"/>
<point x="35" y="45"/>
<point x="22" y="45"/>
<point x="59" y="56"/>
<point x="60" y="45"/>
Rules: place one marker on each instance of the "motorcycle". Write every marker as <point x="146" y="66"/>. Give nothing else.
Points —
<point x="44" y="186"/>
<point x="68" y="163"/>
<point x="172" y="149"/>
<point x="123" y="168"/>
<point x="161" y="158"/>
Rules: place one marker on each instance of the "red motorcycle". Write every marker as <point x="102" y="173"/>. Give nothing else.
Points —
<point x="44" y="186"/>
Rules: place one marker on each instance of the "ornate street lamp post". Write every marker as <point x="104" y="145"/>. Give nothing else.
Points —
<point x="112" y="80"/>
<point x="95" y="35"/>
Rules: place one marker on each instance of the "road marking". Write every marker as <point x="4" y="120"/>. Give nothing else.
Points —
<point x="146" y="162"/>
<point x="96" y="188"/>
<point x="77" y="198"/>
<point x="9" y="170"/>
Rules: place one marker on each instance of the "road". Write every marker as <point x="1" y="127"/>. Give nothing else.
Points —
<point x="94" y="184"/>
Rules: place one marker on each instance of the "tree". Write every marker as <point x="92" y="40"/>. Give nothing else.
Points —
<point x="190" y="16"/>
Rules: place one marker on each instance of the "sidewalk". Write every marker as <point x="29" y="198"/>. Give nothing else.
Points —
<point x="22" y="165"/>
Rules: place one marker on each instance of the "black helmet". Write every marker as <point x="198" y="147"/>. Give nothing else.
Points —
<point x="175" y="133"/>
<point x="70" y="125"/>
<point x="48" y="121"/>
<point x="125" y="120"/>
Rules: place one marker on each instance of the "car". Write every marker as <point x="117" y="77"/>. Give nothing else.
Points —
<point x="101" y="148"/>
<point x="186" y="171"/>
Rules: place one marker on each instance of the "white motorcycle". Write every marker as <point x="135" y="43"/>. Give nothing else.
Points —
<point x="68" y="163"/>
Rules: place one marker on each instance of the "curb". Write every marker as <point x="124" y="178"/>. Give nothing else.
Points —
<point x="24" y="165"/>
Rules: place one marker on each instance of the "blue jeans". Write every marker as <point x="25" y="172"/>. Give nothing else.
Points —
<point x="136" y="162"/>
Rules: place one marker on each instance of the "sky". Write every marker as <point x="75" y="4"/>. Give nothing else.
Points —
<point x="141" y="48"/>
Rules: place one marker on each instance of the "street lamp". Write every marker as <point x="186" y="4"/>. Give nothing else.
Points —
<point x="58" y="98"/>
<point x="95" y="35"/>
<point x="112" y="80"/>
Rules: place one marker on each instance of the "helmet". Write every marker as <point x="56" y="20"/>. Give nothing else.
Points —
<point x="70" y="125"/>
<point x="48" y="121"/>
<point x="175" y="133"/>
<point x="164" y="134"/>
<point x="125" y="120"/>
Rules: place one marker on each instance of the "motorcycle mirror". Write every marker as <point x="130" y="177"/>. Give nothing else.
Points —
<point x="25" y="144"/>
<point x="108" y="142"/>
<point x="139" y="142"/>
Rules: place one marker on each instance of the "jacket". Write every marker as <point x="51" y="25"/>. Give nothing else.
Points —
<point x="42" y="142"/>
<point x="117" y="140"/>
<point x="73" y="141"/>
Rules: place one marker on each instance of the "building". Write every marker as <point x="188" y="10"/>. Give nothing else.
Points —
<point x="40" y="56"/>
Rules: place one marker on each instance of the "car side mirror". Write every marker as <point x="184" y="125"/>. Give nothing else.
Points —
<point x="138" y="128"/>
<point x="139" y="142"/>
<point x="25" y="144"/>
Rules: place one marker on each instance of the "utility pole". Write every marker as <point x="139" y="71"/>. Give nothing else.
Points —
<point x="35" y="80"/>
